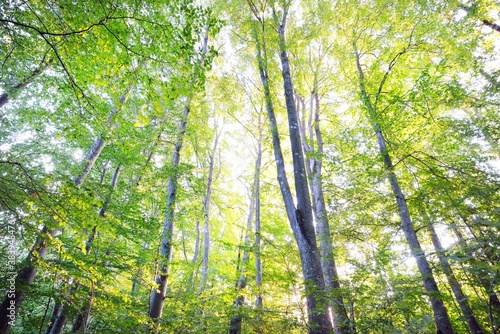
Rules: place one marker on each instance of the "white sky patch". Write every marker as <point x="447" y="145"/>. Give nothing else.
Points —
<point x="78" y="154"/>
<point x="47" y="163"/>
<point x="444" y="236"/>
<point x="158" y="160"/>
<point x="457" y="114"/>
<point x="18" y="138"/>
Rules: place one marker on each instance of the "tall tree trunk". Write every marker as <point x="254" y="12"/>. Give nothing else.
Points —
<point x="441" y="319"/>
<point x="206" y="216"/>
<point x="84" y="312"/>
<point x="452" y="280"/>
<point x="493" y="304"/>
<point x="236" y="320"/>
<point x="300" y="217"/>
<point x="158" y="293"/>
<point x="341" y="323"/>
<point x="258" y="258"/>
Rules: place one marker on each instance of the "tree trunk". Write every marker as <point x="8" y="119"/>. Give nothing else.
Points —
<point x="493" y="304"/>
<point x="341" y="323"/>
<point x="441" y="319"/>
<point x="158" y="293"/>
<point x="53" y="317"/>
<point x="455" y="286"/>
<point x="96" y="149"/>
<point x="5" y="98"/>
<point x="206" y="216"/>
<point x="258" y="260"/>
<point x="14" y="297"/>
<point x="236" y="320"/>
<point x="300" y="217"/>
<point x="84" y="312"/>
<point x="60" y="321"/>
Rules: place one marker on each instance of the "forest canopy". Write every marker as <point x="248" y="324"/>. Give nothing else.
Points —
<point x="249" y="166"/>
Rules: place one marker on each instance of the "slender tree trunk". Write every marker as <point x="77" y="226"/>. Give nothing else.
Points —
<point x="455" y="286"/>
<point x="96" y="149"/>
<point x="441" y="319"/>
<point x="5" y="98"/>
<point x="196" y="253"/>
<point x="493" y="303"/>
<point x="341" y="323"/>
<point x="84" y="312"/>
<point x="14" y="297"/>
<point x="300" y="217"/>
<point x="236" y="320"/>
<point x="258" y="259"/>
<point x="158" y="294"/>
<point x="53" y="317"/>
<point x="206" y="216"/>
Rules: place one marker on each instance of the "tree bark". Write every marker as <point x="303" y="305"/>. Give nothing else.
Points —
<point x="341" y="323"/>
<point x="96" y="149"/>
<point x="300" y="216"/>
<point x="236" y="320"/>
<point x="206" y="216"/>
<point x="53" y="317"/>
<point x="441" y="319"/>
<point x="453" y="282"/>
<point x="5" y="98"/>
<point x="14" y="298"/>
<point x="258" y="260"/>
<point x="84" y="312"/>
<point x="158" y="293"/>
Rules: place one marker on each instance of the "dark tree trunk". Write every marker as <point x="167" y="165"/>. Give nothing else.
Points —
<point x="455" y="286"/>
<point x="300" y="216"/>
<point x="60" y="321"/>
<point x="14" y="297"/>
<point x="53" y="317"/>
<point x="4" y="98"/>
<point x="341" y="323"/>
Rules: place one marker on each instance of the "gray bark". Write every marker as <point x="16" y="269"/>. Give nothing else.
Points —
<point x="236" y="320"/>
<point x="258" y="260"/>
<point x="455" y="286"/>
<point x="300" y="217"/>
<point x="96" y="149"/>
<point x="341" y="323"/>
<point x="196" y="253"/>
<point x="206" y="216"/>
<point x="158" y="293"/>
<point x="441" y="319"/>
<point x="493" y="301"/>
<point x="5" y="97"/>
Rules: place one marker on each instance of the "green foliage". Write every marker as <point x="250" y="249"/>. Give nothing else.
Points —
<point x="123" y="71"/>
